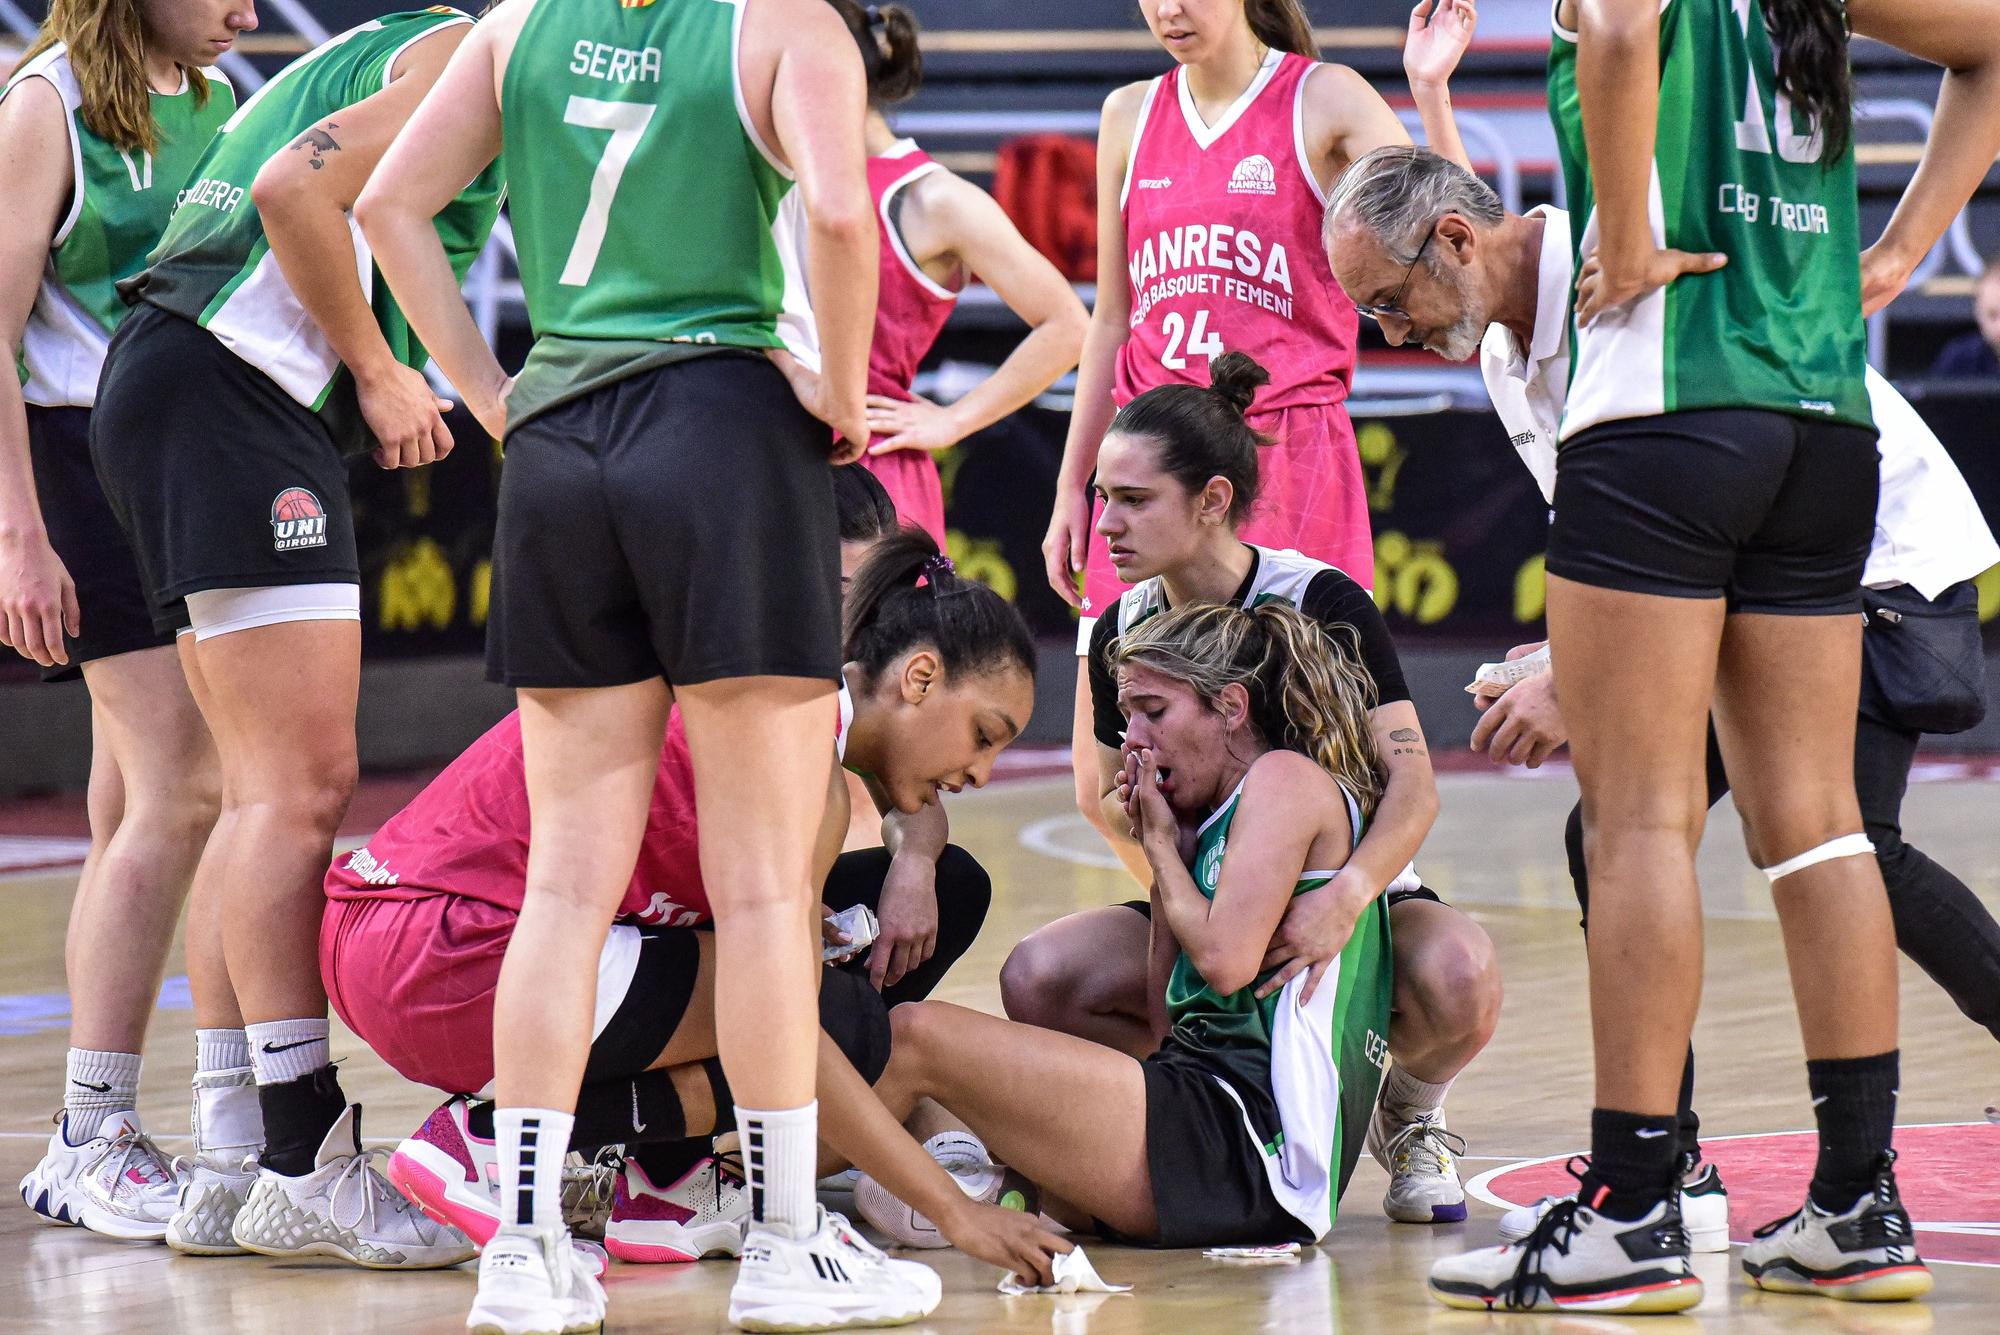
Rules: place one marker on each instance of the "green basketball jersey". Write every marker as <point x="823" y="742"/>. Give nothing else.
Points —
<point x="1320" y="1062"/>
<point x="1735" y="170"/>
<point x="655" y="215"/>
<point x="215" y="266"/>
<point x="118" y="207"/>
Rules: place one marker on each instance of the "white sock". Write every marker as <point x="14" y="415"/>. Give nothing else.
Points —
<point x="227" y="1119"/>
<point x="1404" y="1094"/>
<point x="780" y="1152"/>
<point x="532" y="1144"/>
<point x="285" y="1050"/>
<point x="99" y="1084"/>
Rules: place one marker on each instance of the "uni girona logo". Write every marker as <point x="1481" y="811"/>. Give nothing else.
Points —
<point x="297" y="520"/>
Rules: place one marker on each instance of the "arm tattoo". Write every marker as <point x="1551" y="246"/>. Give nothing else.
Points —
<point x="1403" y="735"/>
<point x="320" y="142"/>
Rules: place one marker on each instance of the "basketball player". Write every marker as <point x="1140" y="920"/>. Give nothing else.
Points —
<point x="1715" y="493"/>
<point x="1210" y="184"/>
<point x="111" y="105"/>
<point x="666" y="536"/>
<point x="417" y="921"/>
<point x="1250" y="773"/>
<point x="940" y="231"/>
<point x="256" y="359"/>
<point x="1178" y="472"/>
<point x="1512" y="274"/>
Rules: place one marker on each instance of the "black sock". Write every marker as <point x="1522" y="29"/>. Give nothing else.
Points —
<point x="1690" y="1125"/>
<point x="1854" y="1101"/>
<point x="639" y="1110"/>
<point x="479" y="1118"/>
<point x="1633" y="1162"/>
<point x="667" y="1162"/>
<point x="297" y="1115"/>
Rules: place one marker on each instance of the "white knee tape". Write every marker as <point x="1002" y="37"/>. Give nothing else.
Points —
<point x="1847" y="846"/>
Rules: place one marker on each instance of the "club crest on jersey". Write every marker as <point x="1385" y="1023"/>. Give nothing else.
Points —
<point x="1254" y="176"/>
<point x="297" y="520"/>
<point x="1208" y="868"/>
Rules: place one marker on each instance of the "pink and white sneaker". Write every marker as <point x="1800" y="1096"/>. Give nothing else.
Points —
<point x="453" y="1176"/>
<point x="702" y="1214"/>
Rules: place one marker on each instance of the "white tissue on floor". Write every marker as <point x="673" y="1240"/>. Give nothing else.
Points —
<point x="1073" y="1274"/>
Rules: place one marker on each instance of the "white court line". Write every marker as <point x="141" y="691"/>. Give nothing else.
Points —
<point x="1479" y="1185"/>
<point x="1041" y="837"/>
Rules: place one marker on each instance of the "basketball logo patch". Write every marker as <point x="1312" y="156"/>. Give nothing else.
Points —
<point x="297" y="520"/>
<point x="1254" y="176"/>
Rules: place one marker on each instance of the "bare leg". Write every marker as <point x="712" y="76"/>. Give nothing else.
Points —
<point x="1084" y="975"/>
<point x="1635" y="672"/>
<point x="150" y="736"/>
<point x="1069" y="1113"/>
<point x="208" y="967"/>
<point x="1447" y="990"/>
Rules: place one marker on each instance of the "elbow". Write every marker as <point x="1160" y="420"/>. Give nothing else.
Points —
<point x="1227" y="971"/>
<point x="1067" y="330"/>
<point x="277" y="189"/>
<point x="371" y="213"/>
<point x="843" y="221"/>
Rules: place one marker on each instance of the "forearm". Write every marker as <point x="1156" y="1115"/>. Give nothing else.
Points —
<point x="923" y="833"/>
<point x="856" y="1124"/>
<point x="315" y="249"/>
<point x="1440" y="125"/>
<point x="1093" y="410"/>
<point x="1618" y="93"/>
<point x="1162" y="951"/>
<point x="1190" y="915"/>
<point x="414" y="263"/>
<point x="841" y="274"/>
<point x="1401" y="822"/>
<point x="1037" y="362"/>
<point x="1964" y="139"/>
<point x="20" y="511"/>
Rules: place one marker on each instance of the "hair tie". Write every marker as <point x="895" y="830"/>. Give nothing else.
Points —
<point x="875" y="19"/>
<point x="937" y="564"/>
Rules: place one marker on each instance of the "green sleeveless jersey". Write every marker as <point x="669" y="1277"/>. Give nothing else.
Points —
<point x="1317" y="1064"/>
<point x="655" y="225"/>
<point x="214" y="265"/>
<point x="118" y="207"/>
<point x="1735" y="170"/>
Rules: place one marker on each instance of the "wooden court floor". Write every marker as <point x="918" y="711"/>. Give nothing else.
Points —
<point x="1496" y="853"/>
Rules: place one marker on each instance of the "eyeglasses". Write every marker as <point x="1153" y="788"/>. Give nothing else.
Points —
<point x="1391" y="306"/>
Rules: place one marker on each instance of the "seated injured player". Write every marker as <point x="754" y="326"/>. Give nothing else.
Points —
<point x="938" y="680"/>
<point x="1250" y="774"/>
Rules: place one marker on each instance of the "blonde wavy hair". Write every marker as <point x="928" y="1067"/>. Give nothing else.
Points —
<point x="107" y="50"/>
<point x="1306" y="693"/>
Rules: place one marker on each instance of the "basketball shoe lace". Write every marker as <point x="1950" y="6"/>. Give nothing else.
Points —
<point x="588" y="1189"/>
<point x="153" y="1167"/>
<point x="371" y="1186"/>
<point x="1423" y="1147"/>
<point x="1560" y="1227"/>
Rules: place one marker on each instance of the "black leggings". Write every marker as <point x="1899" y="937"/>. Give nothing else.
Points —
<point x="1940" y="924"/>
<point x="964" y="892"/>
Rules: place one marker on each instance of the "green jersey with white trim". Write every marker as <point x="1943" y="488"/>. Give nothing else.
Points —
<point x="118" y="206"/>
<point x="1319" y="1062"/>
<point x="657" y="223"/>
<point x="214" y="265"/>
<point x="1736" y="170"/>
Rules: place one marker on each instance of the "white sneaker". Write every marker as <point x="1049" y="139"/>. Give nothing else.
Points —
<point x="211" y="1196"/>
<point x="701" y="1214"/>
<point x="1866" y="1254"/>
<point x="116" y="1183"/>
<point x="990" y="1184"/>
<point x="1577" y="1260"/>
<point x="830" y="1280"/>
<point x="345" y="1208"/>
<point x="1418" y="1156"/>
<point x="1704" y="1212"/>
<point x="534" y="1282"/>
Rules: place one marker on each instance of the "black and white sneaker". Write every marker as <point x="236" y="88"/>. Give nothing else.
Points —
<point x="830" y="1279"/>
<point x="1866" y="1254"/>
<point x="1704" y="1210"/>
<point x="1577" y="1260"/>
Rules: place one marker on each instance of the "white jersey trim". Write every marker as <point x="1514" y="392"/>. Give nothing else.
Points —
<point x="1138" y="136"/>
<point x="53" y="67"/>
<point x="1618" y="362"/>
<point x="903" y="148"/>
<point x="1205" y="134"/>
<point x="389" y="67"/>
<point x="736" y="90"/>
<point x="1299" y="134"/>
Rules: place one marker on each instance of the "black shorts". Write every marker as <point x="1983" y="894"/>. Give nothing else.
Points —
<point x="678" y="523"/>
<point x="219" y="478"/>
<point x="110" y="596"/>
<point x="851" y="1012"/>
<point x="1773" y="512"/>
<point x="1210" y="1187"/>
<point x="1144" y="907"/>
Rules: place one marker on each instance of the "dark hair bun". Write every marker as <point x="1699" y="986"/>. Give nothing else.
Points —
<point x="901" y="72"/>
<point x="1235" y="378"/>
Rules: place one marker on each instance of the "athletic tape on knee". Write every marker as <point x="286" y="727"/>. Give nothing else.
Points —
<point x="1847" y="846"/>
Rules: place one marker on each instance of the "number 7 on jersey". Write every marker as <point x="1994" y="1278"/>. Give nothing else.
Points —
<point x="626" y="121"/>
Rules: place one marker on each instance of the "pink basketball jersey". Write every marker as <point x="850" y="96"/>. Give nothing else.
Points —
<point x="1222" y="227"/>
<point x="910" y="311"/>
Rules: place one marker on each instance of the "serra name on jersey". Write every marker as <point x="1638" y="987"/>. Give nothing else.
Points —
<point x="1202" y="259"/>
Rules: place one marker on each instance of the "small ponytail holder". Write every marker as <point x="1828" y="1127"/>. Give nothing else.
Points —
<point x="875" y="19"/>
<point x="936" y="566"/>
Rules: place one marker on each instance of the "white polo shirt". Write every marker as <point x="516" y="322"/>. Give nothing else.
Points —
<point x="1929" y="532"/>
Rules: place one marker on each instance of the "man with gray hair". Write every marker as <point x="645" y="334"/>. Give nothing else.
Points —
<point x="1425" y="248"/>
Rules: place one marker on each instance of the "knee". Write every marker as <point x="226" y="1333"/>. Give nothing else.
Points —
<point x="1455" y="984"/>
<point x="854" y="1016"/>
<point x="913" y="1030"/>
<point x="965" y="893"/>
<point x="1036" y="982"/>
<point x="311" y="791"/>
